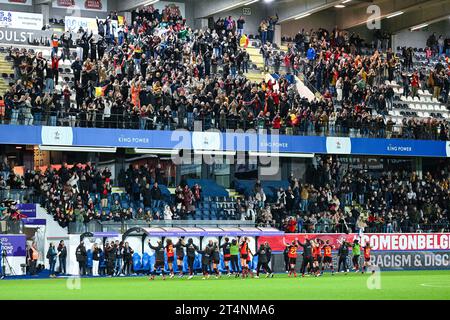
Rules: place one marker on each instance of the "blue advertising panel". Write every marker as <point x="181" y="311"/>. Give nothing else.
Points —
<point x="235" y="141"/>
<point x="13" y="244"/>
<point x="399" y="147"/>
<point x="28" y="209"/>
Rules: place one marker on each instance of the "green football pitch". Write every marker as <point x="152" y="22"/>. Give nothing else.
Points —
<point x="431" y="285"/>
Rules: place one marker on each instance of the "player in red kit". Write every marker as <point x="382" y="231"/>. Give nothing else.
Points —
<point x="292" y="255"/>
<point x="327" y="256"/>
<point x="245" y="252"/>
<point x="170" y="256"/>
<point x="317" y="257"/>
<point x="367" y="263"/>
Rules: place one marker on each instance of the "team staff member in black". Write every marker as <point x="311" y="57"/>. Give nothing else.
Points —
<point x="286" y="259"/>
<point x="226" y="254"/>
<point x="81" y="256"/>
<point x="343" y="254"/>
<point x="110" y="253"/>
<point x="179" y="252"/>
<point x="127" y="258"/>
<point x="62" y="250"/>
<point x="263" y="261"/>
<point x="268" y="252"/>
<point x="216" y="259"/>
<point x="206" y="259"/>
<point x="159" y="259"/>
<point x="307" y="255"/>
<point x="191" y="249"/>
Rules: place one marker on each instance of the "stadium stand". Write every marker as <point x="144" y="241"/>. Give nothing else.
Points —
<point x="159" y="73"/>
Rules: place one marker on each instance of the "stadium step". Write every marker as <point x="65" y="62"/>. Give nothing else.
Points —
<point x="5" y="67"/>
<point x="233" y="193"/>
<point x="255" y="76"/>
<point x="256" y="57"/>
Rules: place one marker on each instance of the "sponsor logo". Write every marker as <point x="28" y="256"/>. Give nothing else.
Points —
<point x="447" y="148"/>
<point x="336" y="145"/>
<point x="124" y="139"/>
<point x="57" y="136"/>
<point x="206" y="141"/>
<point x="18" y="1"/>
<point x="5" y="16"/>
<point x="66" y="3"/>
<point x="15" y="36"/>
<point x="93" y="4"/>
<point x="395" y="148"/>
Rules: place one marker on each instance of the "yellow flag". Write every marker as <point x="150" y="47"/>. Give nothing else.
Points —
<point x="243" y="42"/>
<point x="98" y="91"/>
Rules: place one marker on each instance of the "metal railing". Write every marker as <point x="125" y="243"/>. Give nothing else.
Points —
<point x="11" y="227"/>
<point x="123" y="226"/>
<point x="19" y="195"/>
<point x="303" y="128"/>
<point x="332" y="227"/>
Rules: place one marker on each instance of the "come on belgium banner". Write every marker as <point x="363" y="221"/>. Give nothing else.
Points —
<point x="392" y="251"/>
<point x="378" y="241"/>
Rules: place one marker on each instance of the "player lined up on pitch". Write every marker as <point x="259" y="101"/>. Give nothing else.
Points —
<point x="316" y="257"/>
<point x="210" y="258"/>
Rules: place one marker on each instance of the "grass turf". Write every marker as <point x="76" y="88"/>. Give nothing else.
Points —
<point x="402" y="285"/>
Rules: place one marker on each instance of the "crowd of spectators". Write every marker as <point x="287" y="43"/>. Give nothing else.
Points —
<point x="10" y="216"/>
<point x="331" y="197"/>
<point x="334" y="199"/>
<point x="81" y="193"/>
<point x="161" y="74"/>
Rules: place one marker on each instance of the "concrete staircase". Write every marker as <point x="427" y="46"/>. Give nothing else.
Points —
<point x="5" y="67"/>
<point x="257" y="59"/>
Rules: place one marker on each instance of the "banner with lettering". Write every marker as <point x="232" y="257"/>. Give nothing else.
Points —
<point x="88" y="5"/>
<point x="21" y="20"/>
<point x="14" y="245"/>
<point x="167" y="8"/>
<point x="378" y="241"/>
<point x="88" y="24"/>
<point x="28" y="209"/>
<point x="18" y="2"/>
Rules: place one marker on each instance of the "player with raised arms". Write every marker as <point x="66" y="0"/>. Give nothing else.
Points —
<point x="292" y="254"/>
<point x="159" y="259"/>
<point x="307" y="255"/>
<point x="328" y="257"/>
<point x="170" y="252"/>
<point x="244" y="251"/>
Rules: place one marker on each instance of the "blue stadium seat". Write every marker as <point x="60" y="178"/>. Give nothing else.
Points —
<point x="89" y="262"/>
<point x="137" y="264"/>
<point x="145" y="262"/>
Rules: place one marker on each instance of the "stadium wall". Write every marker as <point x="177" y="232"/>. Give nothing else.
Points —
<point x="58" y="13"/>
<point x="321" y="19"/>
<point x="418" y="38"/>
